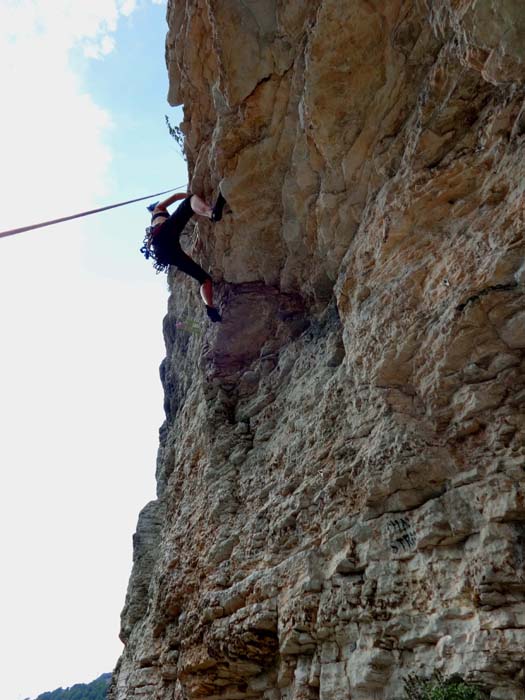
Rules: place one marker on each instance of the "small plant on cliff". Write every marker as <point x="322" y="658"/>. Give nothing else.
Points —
<point x="437" y="687"/>
<point x="176" y="133"/>
<point x="190" y="326"/>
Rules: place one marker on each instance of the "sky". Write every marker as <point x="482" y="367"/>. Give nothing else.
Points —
<point x="82" y="125"/>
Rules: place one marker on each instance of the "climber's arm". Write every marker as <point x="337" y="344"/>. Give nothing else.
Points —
<point x="174" y="198"/>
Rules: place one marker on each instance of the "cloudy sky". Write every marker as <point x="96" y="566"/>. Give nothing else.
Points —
<point x="81" y="126"/>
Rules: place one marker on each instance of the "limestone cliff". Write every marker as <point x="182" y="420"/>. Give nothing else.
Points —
<point x="341" y="495"/>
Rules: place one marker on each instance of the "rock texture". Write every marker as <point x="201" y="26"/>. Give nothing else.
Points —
<point x="341" y="494"/>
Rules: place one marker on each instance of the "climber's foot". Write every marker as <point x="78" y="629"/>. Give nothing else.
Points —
<point x="216" y="214"/>
<point x="213" y="314"/>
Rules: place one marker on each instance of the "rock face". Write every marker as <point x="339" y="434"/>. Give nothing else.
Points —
<point x="341" y="494"/>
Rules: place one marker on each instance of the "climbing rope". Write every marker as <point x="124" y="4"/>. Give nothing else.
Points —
<point x="14" y="231"/>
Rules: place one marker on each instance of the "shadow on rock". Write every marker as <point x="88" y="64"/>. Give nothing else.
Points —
<point x="258" y="320"/>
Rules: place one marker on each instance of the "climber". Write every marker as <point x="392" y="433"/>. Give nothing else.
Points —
<point x="163" y="245"/>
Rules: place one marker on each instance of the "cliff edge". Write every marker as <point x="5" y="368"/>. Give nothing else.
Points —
<point x="341" y="495"/>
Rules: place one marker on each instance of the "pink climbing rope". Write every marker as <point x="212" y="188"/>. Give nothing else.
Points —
<point x="14" y="231"/>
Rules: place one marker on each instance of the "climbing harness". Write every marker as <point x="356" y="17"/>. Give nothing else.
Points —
<point x="14" y="231"/>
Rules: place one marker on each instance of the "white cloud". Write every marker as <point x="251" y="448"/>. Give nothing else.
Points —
<point x="99" y="49"/>
<point x="51" y="132"/>
<point x="71" y="398"/>
<point x="63" y="451"/>
<point x="127" y="7"/>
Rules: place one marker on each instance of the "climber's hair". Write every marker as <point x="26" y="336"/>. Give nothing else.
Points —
<point x="148" y="251"/>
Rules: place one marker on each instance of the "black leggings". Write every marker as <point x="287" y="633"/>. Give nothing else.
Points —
<point x="166" y="243"/>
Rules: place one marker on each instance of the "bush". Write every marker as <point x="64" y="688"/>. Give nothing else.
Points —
<point x="439" y="688"/>
<point x="176" y="133"/>
<point x="96" y="690"/>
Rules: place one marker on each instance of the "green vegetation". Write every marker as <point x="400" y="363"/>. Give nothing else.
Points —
<point x="81" y="691"/>
<point x="176" y="133"/>
<point x="439" y="688"/>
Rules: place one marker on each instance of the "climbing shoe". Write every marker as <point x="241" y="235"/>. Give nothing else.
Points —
<point x="213" y="314"/>
<point x="151" y="207"/>
<point x="216" y="214"/>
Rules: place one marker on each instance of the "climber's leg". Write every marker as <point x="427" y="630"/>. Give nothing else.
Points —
<point x="190" y="267"/>
<point x="200" y="207"/>
<point x="207" y="297"/>
<point x="207" y="292"/>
